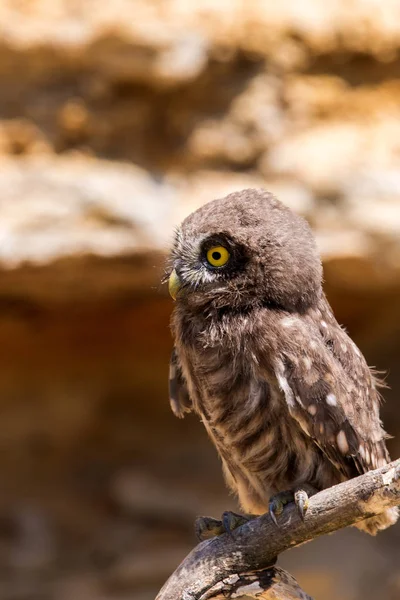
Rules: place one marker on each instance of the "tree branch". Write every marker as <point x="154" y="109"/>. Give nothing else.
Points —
<point x="253" y="548"/>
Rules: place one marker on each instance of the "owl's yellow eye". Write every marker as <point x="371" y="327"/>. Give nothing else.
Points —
<point x="217" y="256"/>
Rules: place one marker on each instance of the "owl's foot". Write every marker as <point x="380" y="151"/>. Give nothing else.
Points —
<point x="299" y="496"/>
<point x="278" y="502"/>
<point x="208" y="527"/>
<point x="232" y="521"/>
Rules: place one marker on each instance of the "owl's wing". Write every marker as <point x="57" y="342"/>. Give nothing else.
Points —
<point x="178" y="393"/>
<point x="330" y="391"/>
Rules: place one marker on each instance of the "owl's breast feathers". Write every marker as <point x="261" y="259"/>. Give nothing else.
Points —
<point x="287" y="398"/>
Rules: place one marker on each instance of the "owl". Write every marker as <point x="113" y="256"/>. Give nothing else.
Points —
<point x="283" y="392"/>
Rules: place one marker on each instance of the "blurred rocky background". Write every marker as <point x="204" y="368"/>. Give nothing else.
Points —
<point x="116" y="120"/>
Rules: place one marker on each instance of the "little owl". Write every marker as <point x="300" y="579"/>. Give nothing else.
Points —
<point x="284" y="393"/>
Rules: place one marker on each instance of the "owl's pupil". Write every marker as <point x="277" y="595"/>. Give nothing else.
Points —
<point x="216" y="255"/>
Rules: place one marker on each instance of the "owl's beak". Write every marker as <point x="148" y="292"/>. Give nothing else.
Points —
<point x="174" y="283"/>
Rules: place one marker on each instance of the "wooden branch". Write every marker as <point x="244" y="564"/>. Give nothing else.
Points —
<point x="255" y="545"/>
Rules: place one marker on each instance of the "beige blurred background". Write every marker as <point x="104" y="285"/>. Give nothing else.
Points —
<point x="116" y="120"/>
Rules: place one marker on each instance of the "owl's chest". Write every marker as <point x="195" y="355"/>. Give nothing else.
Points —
<point x="243" y="411"/>
<point x="247" y="418"/>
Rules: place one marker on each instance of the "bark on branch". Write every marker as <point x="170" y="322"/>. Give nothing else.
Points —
<point x="218" y="568"/>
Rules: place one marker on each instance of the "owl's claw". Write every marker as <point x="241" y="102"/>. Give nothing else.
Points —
<point x="208" y="527"/>
<point x="301" y="500"/>
<point x="278" y="502"/>
<point x="300" y="496"/>
<point x="232" y="521"/>
<point x="272" y="512"/>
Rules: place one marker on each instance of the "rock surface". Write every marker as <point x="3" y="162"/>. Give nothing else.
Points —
<point x="116" y="120"/>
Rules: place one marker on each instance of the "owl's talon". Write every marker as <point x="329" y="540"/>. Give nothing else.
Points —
<point x="278" y="502"/>
<point x="301" y="500"/>
<point x="272" y="510"/>
<point x="208" y="527"/>
<point x="302" y="496"/>
<point x="232" y="521"/>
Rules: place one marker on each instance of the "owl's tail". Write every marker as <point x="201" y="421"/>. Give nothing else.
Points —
<point x="380" y="522"/>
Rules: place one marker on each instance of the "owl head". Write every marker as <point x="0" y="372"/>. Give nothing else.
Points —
<point x="247" y="249"/>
